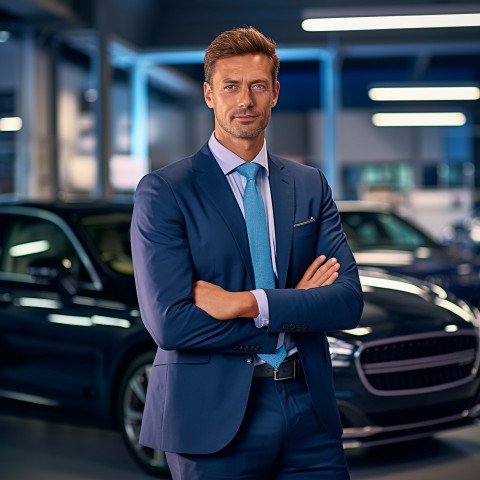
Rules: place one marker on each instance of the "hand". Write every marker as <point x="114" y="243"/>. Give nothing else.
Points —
<point x="222" y="304"/>
<point x="320" y="273"/>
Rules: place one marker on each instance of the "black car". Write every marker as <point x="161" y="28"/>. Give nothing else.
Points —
<point x="71" y="335"/>
<point x="379" y="237"/>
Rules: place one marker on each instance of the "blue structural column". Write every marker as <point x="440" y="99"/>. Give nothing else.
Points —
<point x="139" y="84"/>
<point x="139" y="127"/>
<point x="329" y="91"/>
<point x="329" y="88"/>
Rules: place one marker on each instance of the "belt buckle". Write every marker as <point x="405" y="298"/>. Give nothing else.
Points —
<point x="277" y="378"/>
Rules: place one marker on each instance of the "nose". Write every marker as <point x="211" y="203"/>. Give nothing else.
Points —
<point x="245" y="98"/>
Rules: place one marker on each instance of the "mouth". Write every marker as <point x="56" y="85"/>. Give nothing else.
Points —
<point x="245" y="117"/>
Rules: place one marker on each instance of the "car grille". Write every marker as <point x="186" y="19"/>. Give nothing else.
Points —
<point x="418" y="363"/>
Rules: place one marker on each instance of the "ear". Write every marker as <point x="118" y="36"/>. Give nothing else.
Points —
<point x="276" y="91"/>
<point x="207" y="93"/>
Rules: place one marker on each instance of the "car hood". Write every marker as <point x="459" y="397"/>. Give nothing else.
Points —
<point x="423" y="262"/>
<point x="397" y="306"/>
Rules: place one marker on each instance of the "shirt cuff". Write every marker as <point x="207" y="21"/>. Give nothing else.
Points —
<point x="263" y="318"/>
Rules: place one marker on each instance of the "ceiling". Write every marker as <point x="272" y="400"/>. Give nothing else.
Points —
<point x="160" y="24"/>
<point x="449" y="55"/>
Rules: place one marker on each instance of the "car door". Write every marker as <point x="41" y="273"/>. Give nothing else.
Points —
<point x="45" y="338"/>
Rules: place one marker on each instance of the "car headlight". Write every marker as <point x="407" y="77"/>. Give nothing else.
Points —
<point x="475" y="315"/>
<point x="340" y="352"/>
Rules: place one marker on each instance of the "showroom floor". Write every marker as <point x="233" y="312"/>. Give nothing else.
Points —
<point x="31" y="448"/>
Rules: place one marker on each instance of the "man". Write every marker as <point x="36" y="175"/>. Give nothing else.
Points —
<point x="227" y="293"/>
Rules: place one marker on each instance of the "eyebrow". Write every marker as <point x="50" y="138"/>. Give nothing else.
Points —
<point x="259" y="80"/>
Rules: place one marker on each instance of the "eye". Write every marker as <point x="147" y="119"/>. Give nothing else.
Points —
<point x="258" y="86"/>
<point x="230" y="87"/>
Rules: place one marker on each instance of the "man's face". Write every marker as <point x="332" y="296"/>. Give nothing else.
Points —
<point x="242" y="95"/>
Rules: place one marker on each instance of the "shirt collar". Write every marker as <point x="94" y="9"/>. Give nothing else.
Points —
<point x="229" y="161"/>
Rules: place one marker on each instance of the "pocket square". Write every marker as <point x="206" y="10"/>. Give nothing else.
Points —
<point x="305" y="222"/>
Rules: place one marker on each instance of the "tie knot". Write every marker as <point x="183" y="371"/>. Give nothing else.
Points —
<point x="248" y="170"/>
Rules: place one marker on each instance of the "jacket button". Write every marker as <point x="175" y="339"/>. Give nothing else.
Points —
<point x="248" y="360"/>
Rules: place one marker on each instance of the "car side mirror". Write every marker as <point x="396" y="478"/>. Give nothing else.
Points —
<point x="52" y="271"/>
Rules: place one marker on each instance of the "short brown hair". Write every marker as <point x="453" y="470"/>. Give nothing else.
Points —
<point x="240" y="41"/>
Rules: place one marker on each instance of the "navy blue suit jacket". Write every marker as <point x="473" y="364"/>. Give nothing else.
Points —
<point x="187" y="226"/>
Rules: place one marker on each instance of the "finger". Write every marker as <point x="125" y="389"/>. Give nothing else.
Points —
<point x="320" y="281"/>
<point x="322" y="275"/>
<point x="330" y="280"/>
<point x="312" y="269"/>
<point x="323" y="269"/>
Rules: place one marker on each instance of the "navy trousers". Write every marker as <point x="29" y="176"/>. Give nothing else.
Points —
<point x="280" y="438"/>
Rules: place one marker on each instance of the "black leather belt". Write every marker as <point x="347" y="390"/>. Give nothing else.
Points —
<point x="290" y="368"/>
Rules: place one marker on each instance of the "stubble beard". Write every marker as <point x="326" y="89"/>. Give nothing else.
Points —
<point x="242" y="132"/>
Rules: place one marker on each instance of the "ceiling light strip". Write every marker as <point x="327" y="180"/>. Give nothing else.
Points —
<point x="391" y="22"/>
<point x="419" y="119"/>
<point x="424" y="93"/>
<point x="10" y="124"/>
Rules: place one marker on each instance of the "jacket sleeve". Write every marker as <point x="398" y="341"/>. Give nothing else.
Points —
<point x="335" y="307"/>
<point x="164" y="275"/>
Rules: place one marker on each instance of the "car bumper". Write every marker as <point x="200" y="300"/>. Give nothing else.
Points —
<point x="360" y="431"/>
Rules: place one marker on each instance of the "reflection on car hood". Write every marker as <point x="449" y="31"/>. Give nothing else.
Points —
<point x="423" y="260"/>
<point x="384" y="257"/>
<point x="397" y="306"/>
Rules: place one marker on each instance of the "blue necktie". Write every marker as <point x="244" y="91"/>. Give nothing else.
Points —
<point x="258" y="239"/>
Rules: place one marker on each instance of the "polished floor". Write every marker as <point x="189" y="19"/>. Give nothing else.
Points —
<point x="36" y="449"/>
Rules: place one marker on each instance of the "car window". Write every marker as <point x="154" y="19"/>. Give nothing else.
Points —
<point x="362" y="230"/>
<point x="381" y="230"/>
<point x="27" y="238"/>
<point x="110" y="234"/>
<point x="400" y="232"/>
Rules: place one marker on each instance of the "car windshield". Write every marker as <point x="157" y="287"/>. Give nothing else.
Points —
<point x="110" y="233"/>
<point x="370" y="230"/>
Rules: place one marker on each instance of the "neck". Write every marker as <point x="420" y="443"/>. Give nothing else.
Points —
<point x="246" y="148"/>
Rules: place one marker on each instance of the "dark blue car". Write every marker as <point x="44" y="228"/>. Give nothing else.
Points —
<point x="382" y="239"/>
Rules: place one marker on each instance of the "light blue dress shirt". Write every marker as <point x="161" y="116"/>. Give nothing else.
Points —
<point x="228" y="162"/>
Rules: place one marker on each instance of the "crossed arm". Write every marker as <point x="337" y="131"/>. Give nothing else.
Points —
<point x="225" y="305"/>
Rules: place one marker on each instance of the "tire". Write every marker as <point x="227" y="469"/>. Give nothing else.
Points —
<point x="131" y="402"/>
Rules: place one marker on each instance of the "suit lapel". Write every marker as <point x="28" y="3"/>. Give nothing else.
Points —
<point x="212" y="182"/>
<point x="283" y="199"/>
